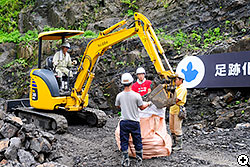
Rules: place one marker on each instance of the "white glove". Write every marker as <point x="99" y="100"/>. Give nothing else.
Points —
<point x="150" y="103"/>
<point x="74" y="62"/>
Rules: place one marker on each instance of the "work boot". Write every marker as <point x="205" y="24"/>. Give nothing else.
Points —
<point x="178" y="143"/>
<point x="61" y="85"/>
<point x="139" y="158"/>
<point x="173" y="139"/>
<point x="125" y="159"/>
<point x="65" y="85"/>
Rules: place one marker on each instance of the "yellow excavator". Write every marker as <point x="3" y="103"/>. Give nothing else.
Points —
<point x="46" y="107"/>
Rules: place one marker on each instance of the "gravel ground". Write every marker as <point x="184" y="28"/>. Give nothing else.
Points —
<point x="85" y="146"/>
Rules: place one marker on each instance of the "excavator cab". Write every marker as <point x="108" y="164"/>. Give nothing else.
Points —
<point x="66" y="80"/>
<point x="56" y="35"/>
<point x="44" y="87"/>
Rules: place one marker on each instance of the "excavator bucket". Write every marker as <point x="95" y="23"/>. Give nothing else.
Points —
<point x="160" y="98"/>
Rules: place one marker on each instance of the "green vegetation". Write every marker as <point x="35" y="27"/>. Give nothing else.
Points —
<point x="131" y="5"/>
<point x="165" y="3"/>
<point x="89" y="34"/>
<point x="123" y="48"/>
<point x="9" y="11"/>
<point x="48" y="28"/>
<point x="17" y="37"/>
<point x="21" y="61"/>
<point x="196" y="40"/>
<point x="83" y="25"/>
<point x="106" y="94"/>
<point x="237" y="102"/>
<point x="120" y="63"/>
<point x="227" y="22"/>
<point x="244" y="30"/>
<point x="202" y="114"/>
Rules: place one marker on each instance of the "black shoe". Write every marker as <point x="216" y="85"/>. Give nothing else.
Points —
<point x="138" y="161"/>
<point x="125" y="159"/>
<point x="173" y="139"/>
<point x="139" y="158"/>
<point x="178" y="143"/>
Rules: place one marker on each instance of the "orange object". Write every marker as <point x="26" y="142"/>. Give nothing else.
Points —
<point x="155" y="139"/>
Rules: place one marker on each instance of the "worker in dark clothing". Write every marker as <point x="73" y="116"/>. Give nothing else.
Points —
<point x="129" y="102"/>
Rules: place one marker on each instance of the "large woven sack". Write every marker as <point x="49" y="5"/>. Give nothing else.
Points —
<point x="155" y="139"/>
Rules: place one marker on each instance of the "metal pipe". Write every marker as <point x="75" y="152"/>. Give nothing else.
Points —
<point x="169" y="66"/>
<point x="63" y="39"/>
<point x="40" y="53"/>
<point x="97" y="61"/>
<point x="62" y="108"/>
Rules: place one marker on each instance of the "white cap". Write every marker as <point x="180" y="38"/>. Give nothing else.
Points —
<point x="181" y="75"/>
<point x="140" y="70"/>
<point x="66" y="44"/>
<point x="127" y="78"/>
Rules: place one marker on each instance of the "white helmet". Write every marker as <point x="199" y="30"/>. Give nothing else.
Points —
<point x="127" y="78"/>
<point x="140" y="70"/>
<point x="66" y="44"/>
<point x="181" y="75"/>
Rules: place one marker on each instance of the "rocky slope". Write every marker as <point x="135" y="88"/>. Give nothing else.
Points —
<point x="129" y="54"/>
<point x="210" y="138"/>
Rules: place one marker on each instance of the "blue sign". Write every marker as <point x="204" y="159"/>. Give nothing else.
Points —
<point x="216" y="70"/>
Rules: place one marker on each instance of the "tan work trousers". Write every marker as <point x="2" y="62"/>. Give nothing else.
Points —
<point x="63" y="70"/>
<point x="175" y="124"/>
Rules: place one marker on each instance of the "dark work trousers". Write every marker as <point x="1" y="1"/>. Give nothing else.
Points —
<point x="130" y="127"/>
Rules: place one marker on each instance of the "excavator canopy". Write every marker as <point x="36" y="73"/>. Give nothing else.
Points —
<point x="59" y="34"/>
<point x="55" y="35"/>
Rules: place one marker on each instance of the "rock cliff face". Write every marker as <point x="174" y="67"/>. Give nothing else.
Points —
<point x="170" y="16"/>
<point x="97" y="15"/>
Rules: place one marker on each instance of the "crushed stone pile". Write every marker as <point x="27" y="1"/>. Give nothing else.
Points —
<point x="24" y="145"/>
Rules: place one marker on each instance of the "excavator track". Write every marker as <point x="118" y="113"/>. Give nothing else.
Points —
<point x="93" y="117"/>
<point x="48" y="121"/>
<point x="53" y="121"/>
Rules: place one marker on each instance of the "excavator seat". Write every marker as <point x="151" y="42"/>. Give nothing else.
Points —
<point x="49" y="78"/>
<point x="49" y="66"/>
<point x="49" y="63"/>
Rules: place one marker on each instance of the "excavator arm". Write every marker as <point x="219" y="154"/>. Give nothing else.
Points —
<point x="44" y="91"/>
<point x="105" y="40"/>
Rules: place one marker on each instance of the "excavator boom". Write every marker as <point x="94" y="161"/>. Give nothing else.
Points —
<point x="107" y="38"/>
